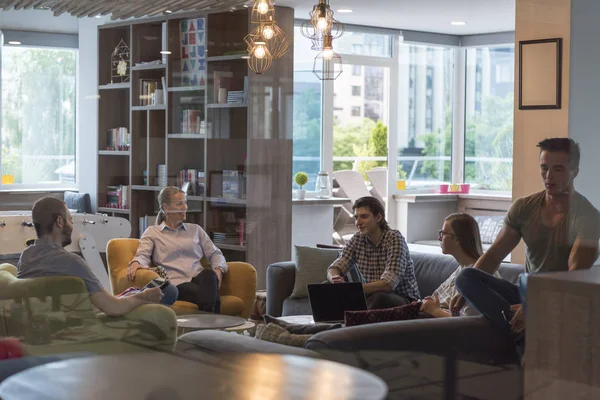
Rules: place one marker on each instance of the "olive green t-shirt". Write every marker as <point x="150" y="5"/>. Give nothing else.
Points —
<point x="548" y="249"/>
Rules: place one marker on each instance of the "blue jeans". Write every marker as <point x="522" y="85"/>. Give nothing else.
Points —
<point x="489" y="295"/>
<point x="170" y="294"/>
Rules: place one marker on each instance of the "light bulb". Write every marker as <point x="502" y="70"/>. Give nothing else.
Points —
<point x="268" y="32"/>
<point x="260" y="51"/>
<point x="263" y="7"/>
<point x="327" y="54"/>
<point x="322" y="23"/>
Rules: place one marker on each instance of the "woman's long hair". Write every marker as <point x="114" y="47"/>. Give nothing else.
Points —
<point x="466" y="230"/>
<point x="165" y="196"/>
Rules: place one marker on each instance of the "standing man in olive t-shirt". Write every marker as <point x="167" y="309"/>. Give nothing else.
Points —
<point x="559" y="226"/>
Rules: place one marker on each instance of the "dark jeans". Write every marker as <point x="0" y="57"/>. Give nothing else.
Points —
<point x="489" y="295"/>
<point x="379" y="300"/>
<point x="203" y="291"/>
<point x="170" y="294"/>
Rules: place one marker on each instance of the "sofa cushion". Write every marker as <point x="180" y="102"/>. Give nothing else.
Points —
<point x="301" y="329"/>
<point x="296" y="307"/>
<point x="311" y="267"/>
<point x="432" y="270"/>
<point x="400" y="313"/>
<point x="511" y="272"/>
<point x="278" y="334"/>
<point x="489" y="227"/>
<point x="227" y="342"/>
<point x="78" y="201"/>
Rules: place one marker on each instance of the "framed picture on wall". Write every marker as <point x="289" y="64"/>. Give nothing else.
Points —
<point x="540" y="74"/>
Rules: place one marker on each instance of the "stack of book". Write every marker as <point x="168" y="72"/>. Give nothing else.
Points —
<point x="161" y="174"/>
<point x="226" y="237"/>
<point x="118" y="139"/>
<point x="192" y="121"/>
<point x="235" y="96"/>
<point x="117" y="197"/>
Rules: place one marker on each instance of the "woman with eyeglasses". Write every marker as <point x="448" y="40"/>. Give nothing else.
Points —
<point x="459" y="237"/>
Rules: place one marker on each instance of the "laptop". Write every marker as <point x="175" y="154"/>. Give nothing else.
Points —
<point x="328" y="301"/>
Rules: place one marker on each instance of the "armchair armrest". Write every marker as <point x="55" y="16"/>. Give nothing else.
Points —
<point x="469" y="338"/>
<point x="240" y="281"/>
<point x="280" y="284"/>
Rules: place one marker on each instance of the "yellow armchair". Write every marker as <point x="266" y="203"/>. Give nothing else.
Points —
<point x="64" y="298"/>
<point x="238" y="289"/>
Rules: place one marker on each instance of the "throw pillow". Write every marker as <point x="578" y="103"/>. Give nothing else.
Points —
<point x="78" y="201"/>
<point x="401" y="313"/>
<point x="489" y="227"/>
<point x="277" y="334"/>
<point x="301" y="329"/>
<point x="311" y="267"/>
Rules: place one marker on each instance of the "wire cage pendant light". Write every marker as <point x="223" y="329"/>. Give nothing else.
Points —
<point x="327" y="65"/>
<point x="262" y="11"/>
<point x="320" y="24"/>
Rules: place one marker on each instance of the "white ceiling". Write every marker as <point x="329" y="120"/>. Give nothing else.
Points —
<point x="481" y="16"/>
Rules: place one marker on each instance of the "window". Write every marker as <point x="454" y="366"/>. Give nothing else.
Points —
<point x="355" y="90"/>
<point x="360" y="134"/>
<point x="38" y="117"/>
<point x="489" y="118"/>
<point x="356" y="70"/>
<point x="307" y="111"/>
<point x="426" y="90"/>
<point x="364" y="44"/>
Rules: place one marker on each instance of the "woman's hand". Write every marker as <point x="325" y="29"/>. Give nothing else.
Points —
<point x="219" y="273"/>
<point x="132" y="269"/>
<point x="456" y="304"/>
<point x="430" y="305"/>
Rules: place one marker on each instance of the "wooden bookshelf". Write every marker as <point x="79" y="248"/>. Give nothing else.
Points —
<point x="192" y="131"/>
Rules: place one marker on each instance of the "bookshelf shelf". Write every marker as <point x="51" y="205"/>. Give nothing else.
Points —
<point x="234" y="154"/>
<point x="222" y="200"/>
<point x="149" y="108"/>
<point x="233" y="247"/>
<point x="115" y="86"/>
<point x="186" y="89"/>
<point x="113" y="153"/>
<point x="147" y="188"/>
<point x="185" y="136"/>
<point x="234" y="57"/>
<point x="150" y="67"/>
<point x="196" y="198"/>
<point x="227" y="105"/>
<point x="108" y="210"/>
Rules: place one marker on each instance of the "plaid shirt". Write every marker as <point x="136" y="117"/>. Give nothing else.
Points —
<point x="389" y="261"/>
<point x="447" y="291"/>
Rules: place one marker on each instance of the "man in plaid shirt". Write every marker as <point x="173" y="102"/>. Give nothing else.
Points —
<point x="381" y="255"/>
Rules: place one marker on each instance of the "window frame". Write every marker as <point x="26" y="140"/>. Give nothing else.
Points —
<point x="47" y="40"/>
<point x="460" y="45"/>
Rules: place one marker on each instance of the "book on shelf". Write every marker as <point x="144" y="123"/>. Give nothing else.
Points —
<point x="231" y="184"/>
<point x="118" y="139"/>
<point x="148" y="90"/>
<point x="195" y="178"/>
<point x="145" y="222"/>
<point x="117" y="197"/>
<point x="192" y="121"/>
<point x="221" y="79"/>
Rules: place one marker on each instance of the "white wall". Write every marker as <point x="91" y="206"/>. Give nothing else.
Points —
<point x="87" y="103"/>
<point x="38" y="20"/>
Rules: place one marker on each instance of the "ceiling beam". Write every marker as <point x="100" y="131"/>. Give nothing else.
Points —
<point x="7" y="5"/>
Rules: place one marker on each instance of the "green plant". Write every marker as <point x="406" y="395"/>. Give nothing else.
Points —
<point x="301" y="179"/>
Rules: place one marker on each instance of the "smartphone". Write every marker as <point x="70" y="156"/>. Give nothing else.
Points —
<point x="156" y="283"/>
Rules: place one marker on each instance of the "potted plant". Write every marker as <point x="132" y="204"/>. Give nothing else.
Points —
<point x="301" y="179"/>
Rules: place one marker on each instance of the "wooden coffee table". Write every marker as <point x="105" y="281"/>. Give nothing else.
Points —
<point x="155" y="375"/>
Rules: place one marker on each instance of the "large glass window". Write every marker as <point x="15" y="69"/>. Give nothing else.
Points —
<point x="307" y="111"/>
<point x="426" y="80"/>
<point x="364" y="44"/>
<point x="489" y="117"/>
<point x="360" y="121"/>
<point x="38" y="116"/>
